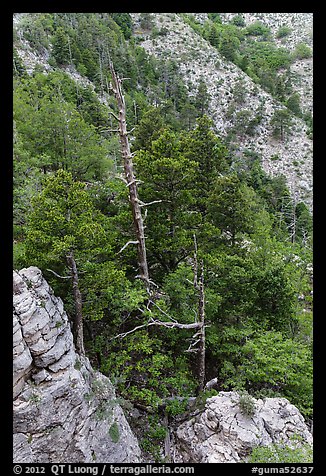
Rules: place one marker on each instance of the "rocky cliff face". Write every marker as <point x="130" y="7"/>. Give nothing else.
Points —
<point x="63" y="410"/>
<point x="223" y="433"/>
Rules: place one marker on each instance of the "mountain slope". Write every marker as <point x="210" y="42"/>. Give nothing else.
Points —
<point x="198" y="59"/>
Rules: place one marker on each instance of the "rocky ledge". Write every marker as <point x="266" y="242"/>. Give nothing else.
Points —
<point x="223" y="433"/>
<point x="64" y="411"/>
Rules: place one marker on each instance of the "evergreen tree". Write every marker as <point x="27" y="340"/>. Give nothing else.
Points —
<point x="168" y="177"/>
<point x="65" y="232"/>
<point x="202" y="98"/>
<point x="213" y="35"/>
<point x="281" y="122"/>
<point x="60" y="46"/>
<point x="239" y="20"/>
<point x="229" y="45"/>
<point x="57" y="136"/>
<point x="203" y="146"/>
<point x="125" y="23"/>
<point x="148" y="129"/>
<point x="232" y="207"/>
<point x="293" y="103"/>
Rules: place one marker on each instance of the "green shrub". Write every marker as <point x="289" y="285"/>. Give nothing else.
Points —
<point x="283" y="31"/>
<point x="302" y="51"/>
<point x="238" y="20"/>
<point x="18" y="255"/>
<point x="153" y="438"/>
<point x="114" y="432"/>
<point x="246" y="404"/>
<point x="276" y="366"/>
<point x="280" y="453"/>
<point x="258" y="29"/>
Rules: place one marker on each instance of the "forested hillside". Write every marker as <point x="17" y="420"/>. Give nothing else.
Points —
<point x="222" y="185"/>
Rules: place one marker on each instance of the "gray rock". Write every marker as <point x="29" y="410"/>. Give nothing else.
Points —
<point x="63" y="410"/>
<point x="41" y="376"/>
<point x="223" y="434"/>
<point x="63" y="343"/>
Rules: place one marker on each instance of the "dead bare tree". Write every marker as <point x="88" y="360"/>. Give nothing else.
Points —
<point x="198" y="342"/>
<point x="78" y="318"/>
<point x="135" y="203"/>
<point x="78" y="322"/>
<point x="202" y="336"/>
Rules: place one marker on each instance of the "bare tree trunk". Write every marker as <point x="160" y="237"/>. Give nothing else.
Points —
<point x="167" y="440"/>
<point x="130" y="177"/>
<point x="202" y="337"/>
<point x="78" y="324"/>
<point x="199" y="286"/>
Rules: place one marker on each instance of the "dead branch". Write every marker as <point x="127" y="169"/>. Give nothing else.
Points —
<point x="161" y="310"/>
<point x="169" y="325"/>
<point x="115" y="117"/>
<point x="130" y="178"/>
<point x="58" y="275"/>
<point x="190" y="282"/>
<point x="142" y="204"/>
<point x="151" y="281"/>
<point x="129" y="243"/>
<point x="192" y="345"/>
<point x="134" y="181"/>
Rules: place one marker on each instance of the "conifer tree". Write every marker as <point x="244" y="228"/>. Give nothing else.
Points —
<point x="60" y="46"/>
<point x="64" y="232"/>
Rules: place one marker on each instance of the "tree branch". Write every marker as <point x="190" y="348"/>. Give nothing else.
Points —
<point x="170" y="325"/>
<point x="142" y="204"/>
<point x="129" y="243"/>
<point x="133" y="181"/>
<point x="58" y="275"/>
<point x="192" y="345"/>
<point x="161" y="310"/>
<point x="115" y="117"/>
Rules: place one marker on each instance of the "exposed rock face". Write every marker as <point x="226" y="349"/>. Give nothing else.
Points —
<point x="64" y="411"/>
<point x="223" y="434"/>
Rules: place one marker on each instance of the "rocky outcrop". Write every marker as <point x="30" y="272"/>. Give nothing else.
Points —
<point x="223" y="433"/>
<point x="64" y="411"/>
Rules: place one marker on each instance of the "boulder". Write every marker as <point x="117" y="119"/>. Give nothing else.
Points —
<point x="223" y="433"/>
